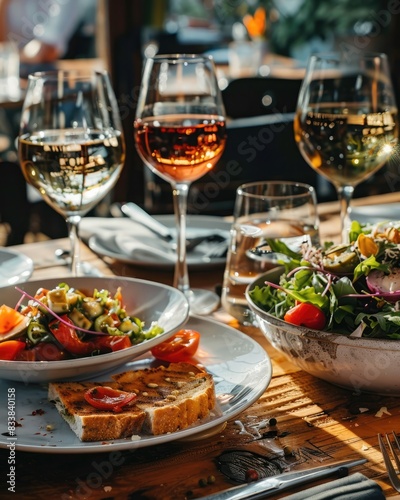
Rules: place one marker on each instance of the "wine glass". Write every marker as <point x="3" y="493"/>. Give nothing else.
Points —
<point x="346" y="121"/>
<point x="71" y="145"/>
<point x="180" y="135"/>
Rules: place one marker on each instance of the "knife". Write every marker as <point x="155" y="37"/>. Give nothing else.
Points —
<point x="142" y="217"/>
<point x="274" y="484"/>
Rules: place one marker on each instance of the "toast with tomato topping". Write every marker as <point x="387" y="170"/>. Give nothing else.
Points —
<point x="167" y="399"/>
<point x="173" y="398"/>
<point x="89" y="423"/>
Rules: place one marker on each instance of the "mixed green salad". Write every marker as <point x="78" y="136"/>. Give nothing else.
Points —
<point x="351" y="289"/>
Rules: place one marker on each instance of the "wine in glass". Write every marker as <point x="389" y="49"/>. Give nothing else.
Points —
<point x="71" y="144"/>
<point x="346" y="121"/>
<point x="180" y="135"/>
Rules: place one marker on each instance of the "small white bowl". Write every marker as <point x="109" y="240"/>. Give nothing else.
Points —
<point x="359" y="364"/>
<point x="147" y="300"/>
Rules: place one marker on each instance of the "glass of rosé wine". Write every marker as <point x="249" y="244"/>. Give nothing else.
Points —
<point x="71" y="145"/>
<point x="180" y="135"/>
<point x="346" y="124"/>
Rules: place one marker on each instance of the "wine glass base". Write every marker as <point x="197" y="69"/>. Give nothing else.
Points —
<point x="202" y="302"/>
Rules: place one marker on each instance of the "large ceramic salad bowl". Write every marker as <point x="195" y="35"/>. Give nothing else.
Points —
<point x="364" y="358"/>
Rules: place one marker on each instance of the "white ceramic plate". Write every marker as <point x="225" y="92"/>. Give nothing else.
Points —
<point x="147" y="300"/>
<point x="14" y="267"/>
<point x="240" y="366"/>
<point x="105" y="235"/>
<point x="376" y="213"/>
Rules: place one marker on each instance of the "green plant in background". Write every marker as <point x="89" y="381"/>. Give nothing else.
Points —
<point x="293" y="23"/>
<point x="318" y="19"/>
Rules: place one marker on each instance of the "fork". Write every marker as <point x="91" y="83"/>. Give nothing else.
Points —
<point x="393" y="475"/>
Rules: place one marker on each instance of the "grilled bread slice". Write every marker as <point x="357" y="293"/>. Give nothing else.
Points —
<point x="168" y="399"/>
<point x="89" y="423"/>
<point x="173" y="398"/>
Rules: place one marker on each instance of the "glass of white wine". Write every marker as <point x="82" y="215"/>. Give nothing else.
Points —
<point x="180" y="135"/>
<point x="346" y="124"/>
<point x="71" y="144"/>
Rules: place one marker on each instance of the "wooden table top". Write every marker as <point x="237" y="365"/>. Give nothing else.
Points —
<point x="321" y="423"/>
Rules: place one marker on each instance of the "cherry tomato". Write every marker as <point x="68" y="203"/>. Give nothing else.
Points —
<point x="179" y="347"/>
<point x="9" y="318"/>
<point x="68" y="338"/>
<point x="48" y="351"/>
<point x="106" y="398"/>
<point x="306" y="314"/>
<point x="10" y="349"/>
<point x="111" y="343"/>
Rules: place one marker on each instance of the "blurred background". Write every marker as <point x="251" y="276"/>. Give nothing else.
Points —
<point x="260" y="95"/>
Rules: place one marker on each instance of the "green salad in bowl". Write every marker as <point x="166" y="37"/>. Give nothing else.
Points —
<point x="351" y="289"/>
<point x="334" y="311"/>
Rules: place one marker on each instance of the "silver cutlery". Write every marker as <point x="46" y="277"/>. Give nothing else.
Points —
<point x="62" y="258"/>
<point x="395" y="451"/>
<point x="276" y="484"/>
<point x="142" y="217"/>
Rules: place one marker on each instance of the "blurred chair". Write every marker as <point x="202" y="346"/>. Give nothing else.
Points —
<point x="258" y="96"/>
<point x="257" y="148"/>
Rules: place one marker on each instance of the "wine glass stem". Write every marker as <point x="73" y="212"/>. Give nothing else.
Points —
<point x="345" y="194"/>
<point x="73" y="231"/>
<point x="181" y="276"/>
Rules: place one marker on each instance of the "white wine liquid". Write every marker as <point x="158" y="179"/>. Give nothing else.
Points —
<point x="72" y="169"/>
<point x="345" y="145"/>
<point x="244" y="265"/>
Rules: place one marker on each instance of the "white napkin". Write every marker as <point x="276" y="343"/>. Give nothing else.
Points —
<point x="145" y="247"/>
<point x="124" y="237"/>
<point x="125" y="244"/>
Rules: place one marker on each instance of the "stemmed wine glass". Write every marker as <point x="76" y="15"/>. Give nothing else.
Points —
<point x="180" y="135"/>
<point x="346" y="121"/>
<point x="71" y="144"/>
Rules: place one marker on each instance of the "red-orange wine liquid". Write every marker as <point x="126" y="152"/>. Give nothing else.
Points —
<point x="180" y="148"/>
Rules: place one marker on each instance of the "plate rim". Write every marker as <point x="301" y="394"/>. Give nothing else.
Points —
<point x="168" y="219"/>
<point x="124" y="444"/>
<point x="27" y="260"/>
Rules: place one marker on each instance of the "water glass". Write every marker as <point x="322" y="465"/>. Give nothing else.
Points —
<point x="265" y="210"/>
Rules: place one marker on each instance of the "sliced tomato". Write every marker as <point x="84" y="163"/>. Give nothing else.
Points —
<point x="179" y="347"/>
<point x="9" y="319"/>
<point x="106" y="398"/>
<point x="68" y="338"/>
<point x="10" y="348"/>
<point x="47" y="351"/>
<point x="306" y="314"/>
<point x="111" y="343"/>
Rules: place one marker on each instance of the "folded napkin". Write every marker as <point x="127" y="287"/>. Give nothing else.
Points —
<point x="353" y="487"/>
<point x="125" y="238"/>
<point x="137" y="249"/>
<point x="145" y="247"/>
